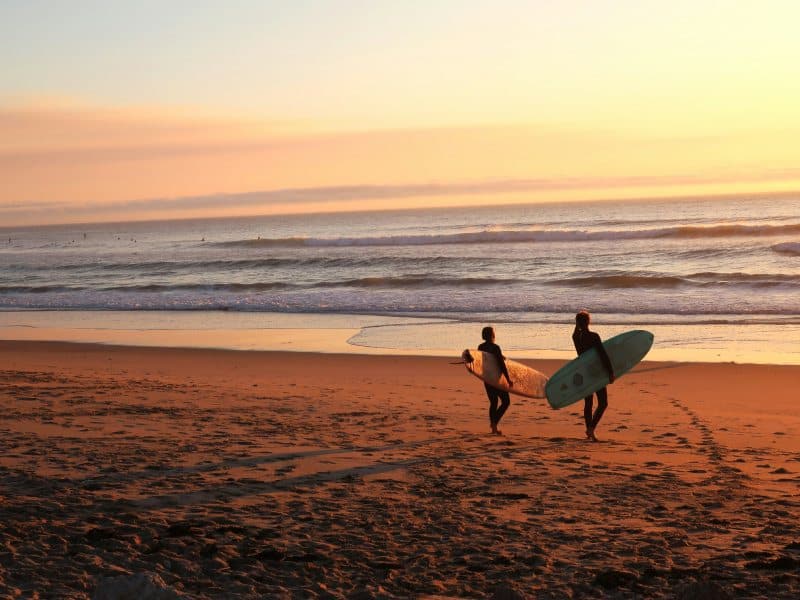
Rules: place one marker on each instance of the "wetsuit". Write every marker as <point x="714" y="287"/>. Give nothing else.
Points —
<point x="585" y="340"/>
<point x="495" y="395"/>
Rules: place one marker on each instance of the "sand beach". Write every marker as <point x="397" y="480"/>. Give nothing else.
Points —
<point x="179" y="473"/>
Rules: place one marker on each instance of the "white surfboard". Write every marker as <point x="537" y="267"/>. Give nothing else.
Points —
<point x="485" y="366"/>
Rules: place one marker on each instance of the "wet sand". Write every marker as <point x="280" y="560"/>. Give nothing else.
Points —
<point x="173" y="473"/>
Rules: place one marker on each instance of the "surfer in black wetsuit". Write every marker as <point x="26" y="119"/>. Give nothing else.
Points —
<point x="495" y="395"/>
<point x="584" y="340"/>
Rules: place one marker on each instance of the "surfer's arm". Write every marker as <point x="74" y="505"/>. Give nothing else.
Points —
<point x="505" y="370"/>
<point x="503" y="367"/>
<point x="606" y="361"/>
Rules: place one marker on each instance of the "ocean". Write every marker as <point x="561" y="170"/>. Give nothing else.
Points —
<point x="715" y="279"/>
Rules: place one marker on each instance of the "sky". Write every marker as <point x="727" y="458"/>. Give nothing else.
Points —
<point x="134" y="110"/>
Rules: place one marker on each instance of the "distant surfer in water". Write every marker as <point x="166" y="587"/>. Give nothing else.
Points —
<point x="495" y="395"/>
<point x="585" y="340"/>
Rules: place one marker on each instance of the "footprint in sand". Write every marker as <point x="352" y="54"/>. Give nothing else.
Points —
<point x="285" y="470"/>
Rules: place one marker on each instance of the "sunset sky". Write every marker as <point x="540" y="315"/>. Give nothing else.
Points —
<point x="130" y="110"/>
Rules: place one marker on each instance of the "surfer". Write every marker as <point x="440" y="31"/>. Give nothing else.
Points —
<point x="585" y="340"/>
<point x="495" y="395"/>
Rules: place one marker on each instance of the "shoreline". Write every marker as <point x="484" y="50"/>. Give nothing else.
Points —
<point x="754" y="343"/>
<point x="549" y="365"/>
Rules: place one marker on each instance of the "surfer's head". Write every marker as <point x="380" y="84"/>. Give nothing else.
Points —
<point x="582" y="320"/>
<point x="487" y="333"/>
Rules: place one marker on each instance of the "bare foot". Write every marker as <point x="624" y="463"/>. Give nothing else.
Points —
<point x="593" y="437"/>
<point x="498" y="432"/>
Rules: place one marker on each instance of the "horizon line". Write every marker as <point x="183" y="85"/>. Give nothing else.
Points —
<point x="619" y="199"/>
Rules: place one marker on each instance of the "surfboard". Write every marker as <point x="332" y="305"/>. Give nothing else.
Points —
<point x="586" y="374"/>
<point x="485" y="366"/>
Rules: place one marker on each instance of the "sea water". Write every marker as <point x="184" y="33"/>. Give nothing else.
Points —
<point x="715" y="279"/>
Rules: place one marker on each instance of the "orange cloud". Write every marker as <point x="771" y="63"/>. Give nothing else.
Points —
<point x="85" y="164"/>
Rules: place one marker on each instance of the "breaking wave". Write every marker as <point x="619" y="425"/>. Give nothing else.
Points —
<point x="523" y="236"/>
<point x="708" y="279"/>
<point x="791" y="248"/>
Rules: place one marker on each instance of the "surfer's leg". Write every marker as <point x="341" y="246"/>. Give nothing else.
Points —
<point x="602" y="404"/>
<point x="587" y="414"/>
<point x="505" y="403"/>
<point x="494" y="395"/>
